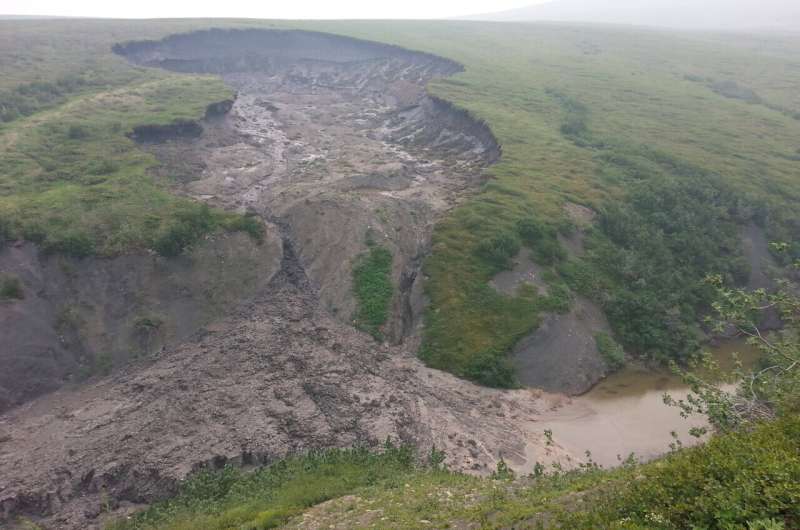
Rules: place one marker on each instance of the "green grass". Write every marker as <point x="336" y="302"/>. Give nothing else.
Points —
<point x="272" y="495"/>
<point x="611" y="351"/>
<point x="72" y="181"/>
<point x="373" y="289"/>
<point x="11" y="287"/>
<point x="735" y="479"/>
<point x="70" y="178"/>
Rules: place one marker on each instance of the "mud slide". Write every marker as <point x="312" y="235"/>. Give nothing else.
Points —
<point x="331" y="141"/>
<point x="335" y="138"/>
<point x="561" y="355"/>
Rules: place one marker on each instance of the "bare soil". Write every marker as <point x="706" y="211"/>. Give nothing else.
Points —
<point x="562" y="355"/>
<point x="338" y="151"/>
<point x="81" y="316"/>
<point x="524" y="271"/>
<point x="279" y="376"/>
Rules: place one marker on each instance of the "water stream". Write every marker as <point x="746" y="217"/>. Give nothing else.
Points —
<point x="626" y="413"/>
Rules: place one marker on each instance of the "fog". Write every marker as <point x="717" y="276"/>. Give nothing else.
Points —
<point x="689" y="14"/>
<point x="296" y="9"/>
<point x="695" y="14"/>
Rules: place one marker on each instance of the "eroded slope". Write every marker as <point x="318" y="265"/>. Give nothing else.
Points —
<point x="330" y="155"/>
<point x="334" y="137"/>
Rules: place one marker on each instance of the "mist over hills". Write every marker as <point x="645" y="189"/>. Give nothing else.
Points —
<point x="685" y="14"/>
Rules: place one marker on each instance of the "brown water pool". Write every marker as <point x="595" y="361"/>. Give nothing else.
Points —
<point x="626" y="413"/>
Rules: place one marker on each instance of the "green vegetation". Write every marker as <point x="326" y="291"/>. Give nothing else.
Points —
<point x="734" y="481"/>
<point x="611" y="351"/>
<point x="373" y="290"/>
<point x="11" y="287"/>
<point x="74" y="183"/>
<point x="648" y="257"/>
<point x="271" y="496"/>
<point x="543" y="240"/>
<point x="606" y="130"/>
<point x="70" y="178"/>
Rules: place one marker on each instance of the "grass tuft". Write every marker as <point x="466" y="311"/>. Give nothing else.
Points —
<point x="372" y="287"/>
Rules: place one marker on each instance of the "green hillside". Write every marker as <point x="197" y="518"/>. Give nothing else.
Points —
<point x="677" y="139"/>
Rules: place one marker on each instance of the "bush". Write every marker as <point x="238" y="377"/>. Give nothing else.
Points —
<point x="76" y="244"/>
<point x="270" y="496"/>
<point x="499" y="251"/>
<point x="10" y="288"/>
<point x="191" y="225"/>
<point x="549" y="251"/>
<point x="491" y="370"/>
<point x="733" y="480"/>
<point x="646" y="261"/>
<point x="77" y="132"/>
<point x="530" y="231"/>
<point x="373" y="290"/>
<point x="542" y="239"/>
<point x="250" y="224"/>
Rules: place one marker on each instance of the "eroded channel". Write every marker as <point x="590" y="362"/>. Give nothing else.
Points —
<point x="334" y="137"/>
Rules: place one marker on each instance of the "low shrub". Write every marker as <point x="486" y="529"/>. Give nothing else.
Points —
<point x="77" y="132"/>
<point x="733" y="481"/>
<point x="491" y="369"/>
<point x="373" y="290"/>
<point x="249" y="224"/>
<point x="611" y="351"/>
<point x="542" y="239"/>
<point x="499" y="251"/>
<point x="269" y="497"/>
<point x="76" y="244"/>
<point x="191" y="224"/>
<point x="11" y="288"/>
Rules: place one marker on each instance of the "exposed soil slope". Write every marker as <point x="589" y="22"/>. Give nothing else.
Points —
<point x="79" y="317"/>
<point x="279" y="376"/>
<point x="329" y="154"/>
<point x="337" y="139"/>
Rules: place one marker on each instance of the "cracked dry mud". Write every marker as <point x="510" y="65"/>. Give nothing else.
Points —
<point x="327" y="153"/>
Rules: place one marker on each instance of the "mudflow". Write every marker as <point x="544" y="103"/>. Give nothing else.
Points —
<point x="332" y="142"/>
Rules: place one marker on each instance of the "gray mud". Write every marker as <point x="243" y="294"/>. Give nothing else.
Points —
<point x="562" y="355"/>
<point x="81" y="317"/>
<point x="279" y="376"/>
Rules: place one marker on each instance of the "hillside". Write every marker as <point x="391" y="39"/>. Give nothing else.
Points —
<point x="231" y="242"/>
<point x="710" y="15"/>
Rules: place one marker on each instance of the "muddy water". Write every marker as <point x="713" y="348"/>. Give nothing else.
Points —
<point x="626" y="414"/>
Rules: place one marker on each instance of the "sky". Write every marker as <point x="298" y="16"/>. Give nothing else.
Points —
<point x="689" y="14"/>
<point x="293" y="9"/>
